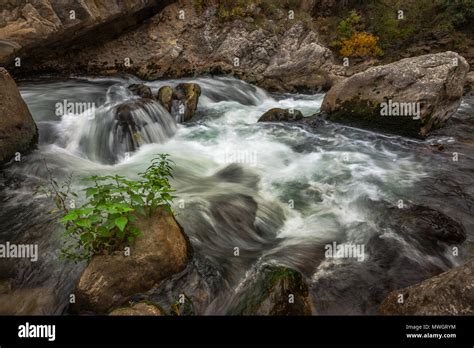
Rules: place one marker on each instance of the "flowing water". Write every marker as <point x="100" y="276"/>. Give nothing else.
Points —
<point x="278" y="192"/>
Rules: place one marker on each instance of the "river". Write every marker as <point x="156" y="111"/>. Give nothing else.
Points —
<point x="278" y="192"/>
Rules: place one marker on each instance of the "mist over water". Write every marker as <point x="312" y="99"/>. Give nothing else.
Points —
<point x="278" y="192"/>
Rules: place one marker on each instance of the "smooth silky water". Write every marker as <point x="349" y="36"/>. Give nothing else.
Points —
<point x="278" y="192"/>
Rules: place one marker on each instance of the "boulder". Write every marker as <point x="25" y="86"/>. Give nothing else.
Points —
<point x="188" y="94"/>
<point x="272" y="290"/>
<point x="409" y="97"/>
<point x="110" y="280"/>
<point x="165" y="97"/>
<point x="281" y="115"/>
<point x="18" y="131"/>
<point x="449" y="293"/>
<point x="33" y="301"/>
<point x="138" y="309"/>
<point x="141" y="90"/>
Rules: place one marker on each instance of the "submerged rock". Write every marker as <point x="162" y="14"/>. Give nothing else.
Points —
<point x="281" y="115"/>
<point x="165" y="97"/>
<point x="409" y="97"/>
<point x="141" y="90"/>
<point x="18" y="131"/>
<point x="423" y="223"/>
<point x="138" y="309"/>
<point x="272" y="290"/>
<point x="110" y="280"/>
<point x="449" y="293"/>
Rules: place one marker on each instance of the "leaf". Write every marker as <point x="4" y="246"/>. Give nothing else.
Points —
<point x="104" y="232"/>
<point x="91" y="191"/>
<point x="137" y="199"/>
<point x="121" y="222"/>
<point x="83" y="223"/>
<point x="87" y="237"/>
<point x="69" y="217"/>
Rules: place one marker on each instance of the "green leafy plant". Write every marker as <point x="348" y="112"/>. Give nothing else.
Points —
<point x="460" y="11"/>
<point x="106" y="222"/>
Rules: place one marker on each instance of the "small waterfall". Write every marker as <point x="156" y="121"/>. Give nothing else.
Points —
<point x="117" y="128"/>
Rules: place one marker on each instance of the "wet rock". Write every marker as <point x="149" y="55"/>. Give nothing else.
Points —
<point x="165" y="97"/>
<point x="138" y="309"/>
<point x="449" y="293"/>
<point x="409" y="97"/>
<point x="281" y="115"/>
<point x="36" y="301"/>
<point x="188" y="95"/>
<point x="469" y="86"/>
<point x="126" y="126"/>
<point x="272" y="290"/>
<point x="110" y="280"/>
<point x="6" y="285"/>
<point x="424" y="224"/>
<point x="183" y="307"/>
<point x="141" y="90"/>
<point x="18" y="131"/>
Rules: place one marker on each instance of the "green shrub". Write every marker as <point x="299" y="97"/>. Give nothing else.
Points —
<point x="460" y="11"/>
<point x="232" y="9"/>
<point x="106" y="222"/>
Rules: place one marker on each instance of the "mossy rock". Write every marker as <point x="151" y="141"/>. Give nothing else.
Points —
<point x="165" y="97"/>
<point x="141" y="90"/>
<point x="143" y="308"/>
<point x="182" y="307"/>
<point x="281" y="115"/>
<point x="366" y="114"/>
<point x="188" y="94"/>
<point x="273" y="290"/>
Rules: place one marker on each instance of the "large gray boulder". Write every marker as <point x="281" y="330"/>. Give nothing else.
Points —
<point x="450" y="293"/>
<point x="110" y="280"/>
<point x="18" y="131"/>
<point x="409" y="97"/>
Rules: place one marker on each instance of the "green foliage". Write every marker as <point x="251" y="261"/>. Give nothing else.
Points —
<point x="182" y="308"/>
<point x="106" y="222"/>
<point x="232" y="9"/>
<point x="460" y="11"/>
<point x="353" y="41"/>
<point x="348" y="26"/>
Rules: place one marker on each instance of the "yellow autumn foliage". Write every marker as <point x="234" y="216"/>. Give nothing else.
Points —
<point x="361" y="44"/>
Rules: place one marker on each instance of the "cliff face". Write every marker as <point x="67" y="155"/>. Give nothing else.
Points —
<point x="31" y="29"/>
<point x="280" y="53"/>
